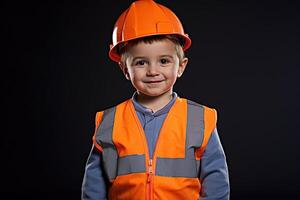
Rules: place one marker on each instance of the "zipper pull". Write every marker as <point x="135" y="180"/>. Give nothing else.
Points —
<point x="150" y="171"/>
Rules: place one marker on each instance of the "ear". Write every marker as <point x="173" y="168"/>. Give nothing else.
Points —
<point x="125" y="70"/>
<point x="182" y="65"/>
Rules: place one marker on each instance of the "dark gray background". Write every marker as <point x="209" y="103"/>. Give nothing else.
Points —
<point x="244" y="61"/>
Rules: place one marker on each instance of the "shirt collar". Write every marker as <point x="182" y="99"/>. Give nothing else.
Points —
<point x="140" y="108"/>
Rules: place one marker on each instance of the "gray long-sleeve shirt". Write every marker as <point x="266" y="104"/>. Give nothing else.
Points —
<point x="213" y="172"/>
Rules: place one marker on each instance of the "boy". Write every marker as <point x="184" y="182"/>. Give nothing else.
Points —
<point x="155" y="145"/>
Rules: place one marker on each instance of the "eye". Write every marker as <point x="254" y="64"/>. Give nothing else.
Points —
<point x="140" y="62"/>
<point x="164" y="61"/>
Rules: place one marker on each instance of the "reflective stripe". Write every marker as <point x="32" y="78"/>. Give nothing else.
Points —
<point x="195" y="128"/>
<point x="131" y="164"/>
<point x="186" y="167"/>
<point x="177" y="167"/>
<point x="104" y="138"/>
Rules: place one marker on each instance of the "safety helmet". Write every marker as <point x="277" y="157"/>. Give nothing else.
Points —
<point x="145" y="18"/>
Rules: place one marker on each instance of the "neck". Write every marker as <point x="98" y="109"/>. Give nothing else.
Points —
<point x="154" y="103"/>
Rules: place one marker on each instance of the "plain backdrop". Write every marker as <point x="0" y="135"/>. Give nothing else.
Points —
<point x="56" y="74"/>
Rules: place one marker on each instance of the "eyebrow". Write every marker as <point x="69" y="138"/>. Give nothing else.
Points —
<point x="139" y="57"/>
<point x="166" y="56"/>
<point x="142" y="57"/>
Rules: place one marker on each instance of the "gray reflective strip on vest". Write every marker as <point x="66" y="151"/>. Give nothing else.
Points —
<point x="195" y="128"/>
<point x="104" y="138"/>
<point x="131" y="164"/>
<point x="177" y="167"/>
<point x="188" y="166"/>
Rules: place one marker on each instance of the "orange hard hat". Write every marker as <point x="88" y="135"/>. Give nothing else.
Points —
<point x="145" y="18"/>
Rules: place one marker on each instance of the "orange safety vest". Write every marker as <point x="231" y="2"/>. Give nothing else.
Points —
<point x="173" y="172"/>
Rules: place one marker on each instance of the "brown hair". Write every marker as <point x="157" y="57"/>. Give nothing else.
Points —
<point x="177" y="40"/>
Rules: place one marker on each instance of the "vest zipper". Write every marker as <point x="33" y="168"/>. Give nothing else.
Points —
<point x="152" y="161"/>
<point x="150" y="171"/>
<point x="151" y="164"/>
<point x="149" y="179"/>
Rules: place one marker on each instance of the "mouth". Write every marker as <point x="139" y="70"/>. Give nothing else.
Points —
<point x="154" y="81"/>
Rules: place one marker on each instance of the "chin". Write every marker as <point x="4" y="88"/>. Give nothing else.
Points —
<point x="154" y="94"/>
<point x="150" y="94"/>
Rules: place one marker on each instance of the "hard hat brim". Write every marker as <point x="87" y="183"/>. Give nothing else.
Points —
<point x="113" y="53"/>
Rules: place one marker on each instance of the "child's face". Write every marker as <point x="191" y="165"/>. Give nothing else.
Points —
<point x="153" y="68"/>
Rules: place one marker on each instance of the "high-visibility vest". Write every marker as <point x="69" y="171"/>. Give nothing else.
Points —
<point x="173" y="172"/>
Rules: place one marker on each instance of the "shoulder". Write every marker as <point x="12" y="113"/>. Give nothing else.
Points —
<point x="199" y="105"/>
<point x="209" y="112"/>
<point x="101" y="113"/>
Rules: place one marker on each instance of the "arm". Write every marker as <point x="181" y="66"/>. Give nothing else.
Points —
<point x="94" y="183"/>
<point x="214" y="171"/>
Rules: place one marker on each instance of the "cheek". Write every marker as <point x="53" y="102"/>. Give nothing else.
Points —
<point x="131" y="73"/>
<point x="172" y="74"/>
<point x="135" y="76"/>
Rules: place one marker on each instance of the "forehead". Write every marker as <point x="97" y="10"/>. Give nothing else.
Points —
<point x="155" y="48"/>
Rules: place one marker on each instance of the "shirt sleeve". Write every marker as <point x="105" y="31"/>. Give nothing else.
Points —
<point x="214" y="171"/>
<point x="94" y="185"/>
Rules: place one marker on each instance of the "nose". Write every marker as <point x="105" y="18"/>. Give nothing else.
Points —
<point x="152" y="70"/>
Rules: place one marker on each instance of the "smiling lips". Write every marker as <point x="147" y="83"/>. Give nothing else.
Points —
<point x="154" y="81"/>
